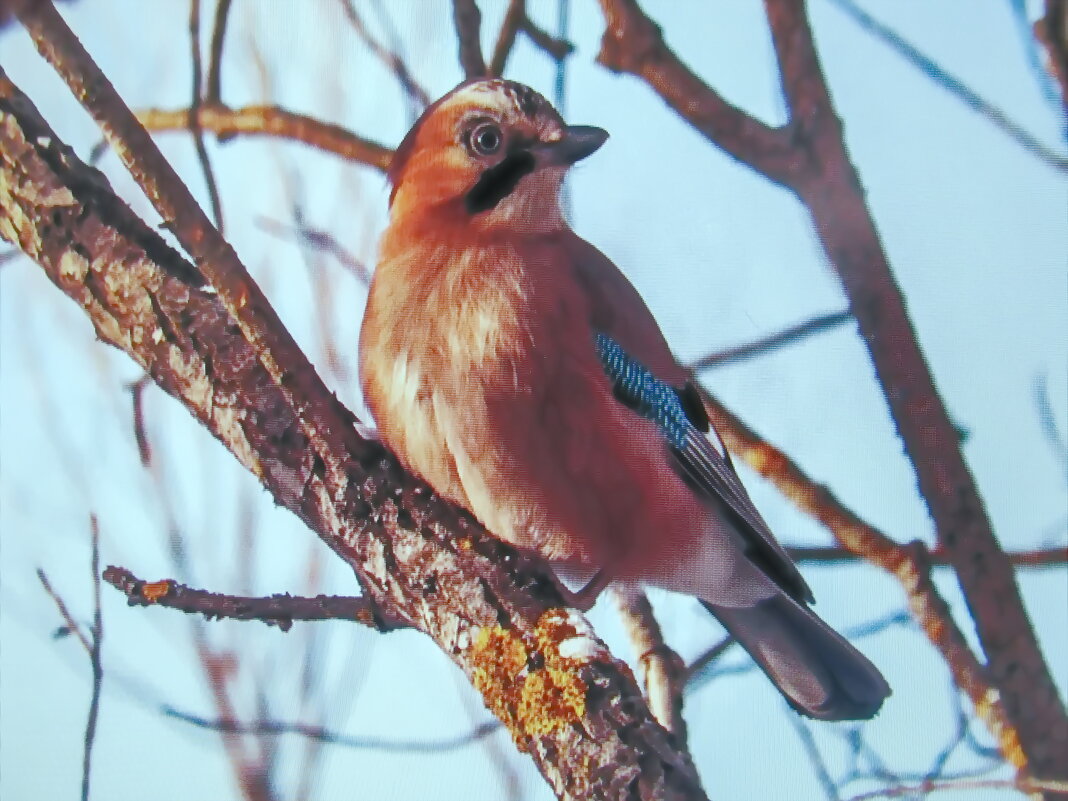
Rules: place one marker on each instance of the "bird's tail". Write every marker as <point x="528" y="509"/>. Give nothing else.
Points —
<point x="815" y="668"/>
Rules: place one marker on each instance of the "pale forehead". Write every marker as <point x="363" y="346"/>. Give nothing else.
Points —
<point x="507" y="98"/>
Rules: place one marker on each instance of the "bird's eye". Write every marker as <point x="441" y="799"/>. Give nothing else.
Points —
<point x="486" y="139"/>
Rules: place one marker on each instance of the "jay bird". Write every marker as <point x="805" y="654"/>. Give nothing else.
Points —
<point x="512" y="365"/>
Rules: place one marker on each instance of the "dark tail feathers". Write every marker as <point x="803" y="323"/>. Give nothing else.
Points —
<point x="815" y="668"/>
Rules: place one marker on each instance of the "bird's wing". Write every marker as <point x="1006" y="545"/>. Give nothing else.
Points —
<point x="646" y="378"/>
<point x="697" y="459"/>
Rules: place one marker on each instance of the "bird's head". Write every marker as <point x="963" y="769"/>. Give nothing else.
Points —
<point x="494" y="152"/>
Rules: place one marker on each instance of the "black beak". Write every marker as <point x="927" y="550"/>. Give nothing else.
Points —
<point x="575" y="143"/>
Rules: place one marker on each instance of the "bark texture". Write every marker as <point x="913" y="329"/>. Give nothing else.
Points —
<point x="565" y="700"/>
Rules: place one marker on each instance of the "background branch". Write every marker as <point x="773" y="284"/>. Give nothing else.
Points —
<point x="468" y="21"/>
<point x="274" y="121"/>
<point x="276" y="610"/>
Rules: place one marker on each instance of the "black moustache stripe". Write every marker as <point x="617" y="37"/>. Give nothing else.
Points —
<point x="498" y="181"/>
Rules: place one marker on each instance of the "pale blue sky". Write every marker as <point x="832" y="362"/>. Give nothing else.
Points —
<point x="977" y="233"/>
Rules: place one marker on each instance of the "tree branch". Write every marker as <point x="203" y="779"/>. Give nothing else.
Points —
<point x="194" y="124"/>
<point x="468" y="21"/>
<point x="634" y="44"/>
<point x="809" y="157"/>
<point x="1042" y="558"/>
<point x="909" y="564"/>
<point x="226" y="122"/>
<point x="773" y="341"/>
<point x="834" y="196"/>
<point x="213" y="95"/>
<point x="496" y="613"/>
<point x="514" y="18"/>
<point x="954" y="85"/>
<point x="276" y="610"/>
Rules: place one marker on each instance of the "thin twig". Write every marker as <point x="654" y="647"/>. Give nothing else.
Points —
<point x="1037" y="559"/>
<point x="94" y="658"/>
<point x="416" y="93"/>
<point x="958" y="785"/>
<point x="819" y="765"/>
<point x="194" y="124"/>
<point x="514" y="18"/>
<point x="910" y="564"/>
<point x="709" y="656"/>
<point x="1048" y="420"/>
<point x="317" y="239"/>
<point x="954" y="85"/>
<point x="71" y="626"/>
<point x="275" y="610"/>
<point x="137" y="394"/>
<point x="274" y="121"/>
<point x="1052" y="31"/>
<point x="557" y="47"/>
<point x="322" y="419"/>
<point x="468" y="21"/>
<point x="213" y="95"/>
<point x="322" y="734"/>
<point x="772" y="342"/>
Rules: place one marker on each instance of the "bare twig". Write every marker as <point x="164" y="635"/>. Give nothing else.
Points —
<point x="772" y="342"/>
<point x="1048" y="420"/>
<point x="393" y="62"/>
<point x="325" y="735"/>
<point x="320" y="240"/>
<point x="909" y="564"/>
<point x="557" y="48"/>
<point x="709" y="656"/>
<point x="954" y="85"/>
<point x="958" y="785"/>
<point x="97" y="632"/>
<point x="633" y="44"/>
<point x="833" y="193"/>
<point x="1037" y="559"/>
<point x="514" y="18"/>
<point x="70" y="625"/>
<point x="213" y="95"/>
<point x="808" y="156"/>
<point x="1052" y="31"/>
<point x="321" y="419"/>
<point x="468" y="21"/>
<point x="819" y="765"/>
<point x="275" y="610"/>
<point x="194" y="124"/>
<point x="137" y="394"/>
<point x="226" y="122"/>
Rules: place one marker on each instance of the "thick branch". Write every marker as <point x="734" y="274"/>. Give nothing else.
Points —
<point x="809" y="157"/>
<point x="580" y="715"/>
<point x="833" y="194"/>
<point x="634" y="44"/>
<point x="227" y="122"/>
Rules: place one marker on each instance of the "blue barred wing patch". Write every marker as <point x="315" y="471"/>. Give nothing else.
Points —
<point x="644" y="392"/>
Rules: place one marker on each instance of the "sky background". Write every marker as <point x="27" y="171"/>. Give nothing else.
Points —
<point x="976" y="229"/>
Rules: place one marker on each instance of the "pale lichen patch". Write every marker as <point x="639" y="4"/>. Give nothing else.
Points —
<point x="73" y="267"/>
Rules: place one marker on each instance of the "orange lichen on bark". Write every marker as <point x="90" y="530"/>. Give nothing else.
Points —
<point x="154" y="590"/>
<point x="533" y="687"/>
